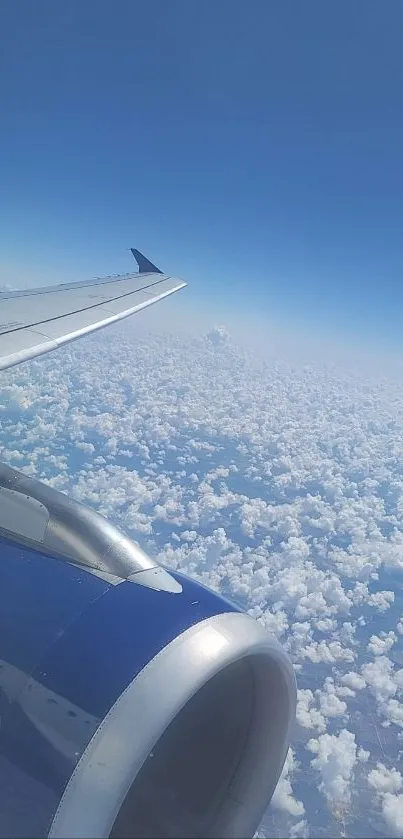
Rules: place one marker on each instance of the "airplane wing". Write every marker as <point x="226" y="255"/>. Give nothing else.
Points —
<point x="37" y="320"/>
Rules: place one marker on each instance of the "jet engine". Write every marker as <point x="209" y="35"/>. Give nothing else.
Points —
<point x="134" y="702"/>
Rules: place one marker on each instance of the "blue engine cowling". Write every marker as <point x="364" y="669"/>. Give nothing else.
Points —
<point x="134" y="702"/>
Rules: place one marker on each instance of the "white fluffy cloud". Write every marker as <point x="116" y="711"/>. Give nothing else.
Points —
<point x="353" y="680"/>
<point x="379" y="676"/>
<point x="381" y="644"/>
<point x="308" y="715"/>
<point x="218" y="335"/>
<point x="335" y="760"/>
<point x="315" y="708"/>
<point x="383" y="780"/>
<point x="387" y="783"/>
<point x="330" y="703"/>
<point x="283" y="798"/>
<point x="392" y="807"/>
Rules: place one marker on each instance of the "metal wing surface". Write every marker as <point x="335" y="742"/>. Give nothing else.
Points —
<point x="35" y="321"/>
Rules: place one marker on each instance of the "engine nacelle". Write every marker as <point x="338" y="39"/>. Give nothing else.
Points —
<point x="134" y="702"/>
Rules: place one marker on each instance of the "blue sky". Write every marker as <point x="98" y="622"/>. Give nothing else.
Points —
<point x="252" y="147"/>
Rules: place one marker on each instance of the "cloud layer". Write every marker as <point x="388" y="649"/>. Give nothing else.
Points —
<point x="278" y="484"/>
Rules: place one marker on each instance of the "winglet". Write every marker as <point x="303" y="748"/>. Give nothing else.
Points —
<point x="145" y="266"/>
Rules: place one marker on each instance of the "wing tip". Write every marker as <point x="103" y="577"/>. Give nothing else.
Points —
<point x="145" y="266"/>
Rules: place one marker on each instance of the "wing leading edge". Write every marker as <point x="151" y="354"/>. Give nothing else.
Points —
<point x="36" y="321"/>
